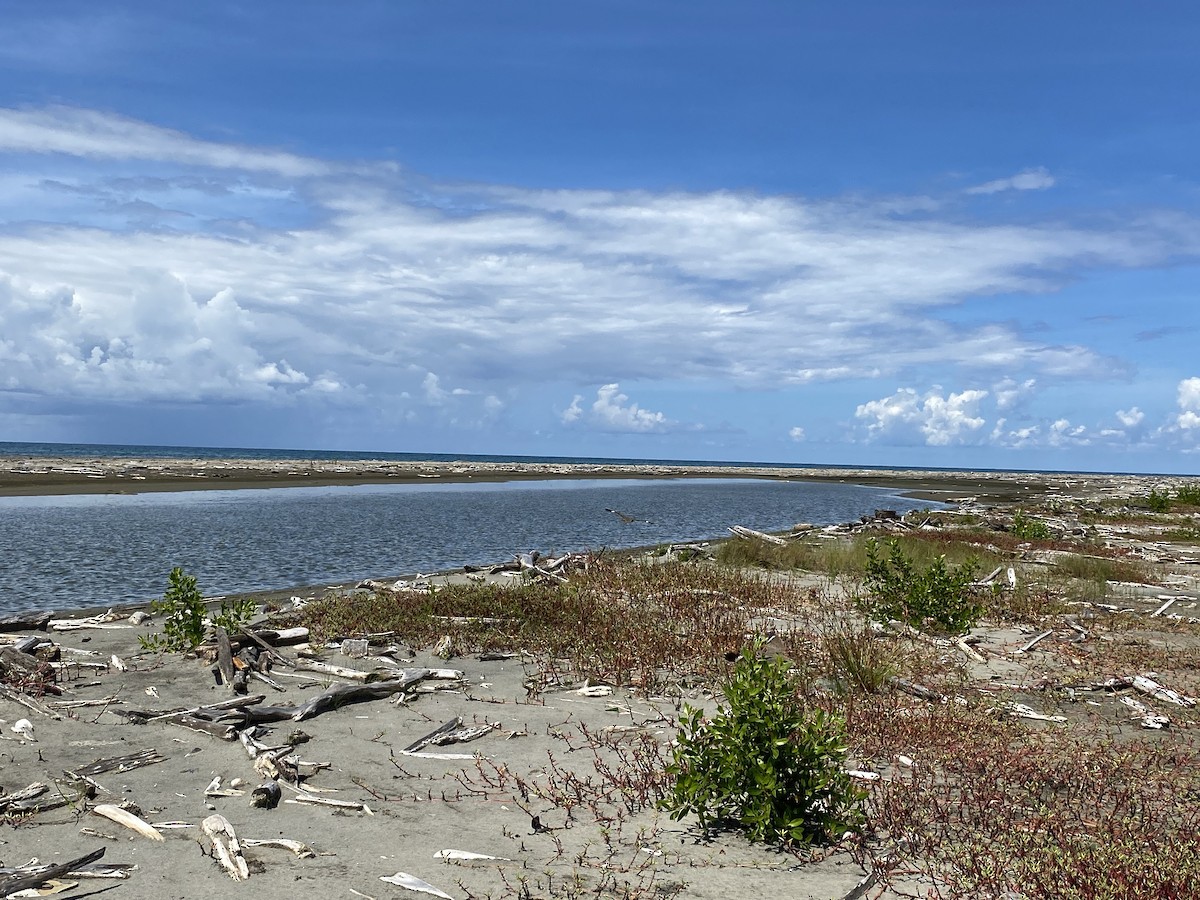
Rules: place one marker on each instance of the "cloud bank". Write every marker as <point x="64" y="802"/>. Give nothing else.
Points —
<point x="140" y="264"/>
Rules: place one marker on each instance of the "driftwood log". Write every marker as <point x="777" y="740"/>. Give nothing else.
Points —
<point x="29" y="621"/>
<point x="750" y="533"/>
<point x="13" y="883"/>
<point x="338" y="696"/>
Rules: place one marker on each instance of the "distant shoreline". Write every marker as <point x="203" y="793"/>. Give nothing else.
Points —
<point x="47" y="476"/>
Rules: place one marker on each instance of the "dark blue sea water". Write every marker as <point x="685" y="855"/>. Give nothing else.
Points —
<point x="102" y="549"/>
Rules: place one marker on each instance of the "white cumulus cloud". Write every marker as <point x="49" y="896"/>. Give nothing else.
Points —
<point x="613" y="411"/>
<point x="937" y="419"/>
<point x="1131" y="417"/>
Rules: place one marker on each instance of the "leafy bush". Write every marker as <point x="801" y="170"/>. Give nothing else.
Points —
<point x="1028" y="528"/>
<point x="1158" y="501"/>
<point x="934" y="595"/>
<point x="1188" y="494"/>
<point x="766" y="764"/>
<point x="185" y="624"/>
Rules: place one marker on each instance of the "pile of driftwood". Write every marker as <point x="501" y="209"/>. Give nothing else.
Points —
<point x="530" y="566"/>
<point x="237" y="660"/>
<point x="885" y="520"/>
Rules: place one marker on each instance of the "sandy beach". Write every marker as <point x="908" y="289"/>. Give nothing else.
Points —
<point x="24" y="476"/>
<point x="418" y="806"/>
<point x="496" y="802"/>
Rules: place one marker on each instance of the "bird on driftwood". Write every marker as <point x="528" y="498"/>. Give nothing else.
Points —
<point x="627" y="520"/>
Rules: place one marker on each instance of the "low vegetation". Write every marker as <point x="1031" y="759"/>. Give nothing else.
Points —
<point x="186" y="617"/>
<point x="936" y="595"/>
<point x="766" y="763"/>
<point x="619" y="622"/>
<point x="970" y="801"/>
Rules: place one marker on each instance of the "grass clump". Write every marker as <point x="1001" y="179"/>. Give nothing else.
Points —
<point x="859" y="659"/>
<point x="1188" y="494"/>
<point x="766" y="764"/>
<point x="832" y="558"/>
<point x="935" y="594"/>
<point x="1100" y="570"/>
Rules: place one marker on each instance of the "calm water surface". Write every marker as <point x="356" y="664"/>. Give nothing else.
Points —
<point x="91" y="550"/>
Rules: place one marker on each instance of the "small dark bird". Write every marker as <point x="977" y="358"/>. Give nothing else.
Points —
<point x="620" y="515"/>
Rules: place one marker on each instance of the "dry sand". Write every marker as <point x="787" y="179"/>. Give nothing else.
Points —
<point x="411" y="821"/>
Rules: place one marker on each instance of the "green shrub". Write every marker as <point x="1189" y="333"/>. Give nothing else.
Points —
<point x="1188" y="494"/>
<point x="765" y="764"/>
<point x="933" y="595"/>
<point x="1158" y="501"/>
<point x="184" y="625"/>
<point x="1028" y="528"/>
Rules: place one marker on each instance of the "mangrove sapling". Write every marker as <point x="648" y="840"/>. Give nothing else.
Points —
<point x="186" y="615"/>
<point x="934" y="595"/>
<point x="767" y="764"/>
<point x="1028" y="528"/>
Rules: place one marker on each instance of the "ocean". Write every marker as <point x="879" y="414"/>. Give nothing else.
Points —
<point x="64" y="552"/>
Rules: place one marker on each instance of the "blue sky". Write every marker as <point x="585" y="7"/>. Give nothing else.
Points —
<point x="930" y="233"/>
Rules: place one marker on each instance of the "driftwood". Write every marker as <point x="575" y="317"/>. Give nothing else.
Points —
<point x="117" y="764"/>
<point x="265" y="796"/>
<point x="1162" y="609"/>
<point x="966" y="648"/>
<point x="13" y="883"/>
<point x="329" y="801"/>
<point x="1148" y="717"/>
<point x="743" y="532"/>
<point x="302" y="850"/>
<point x="915" y="689"/>
<point x="343" y="694"/>
<point x="466" y="855"/>
<point x="413" y="883"/>
<point x="267" y="639"/>
<point x="324" y="668"/>
<point x="18" y="664"/>
<point x="1035" y="641"/>
<point x="1021" y="711"/>
<point x="224" y="655"/>
<point x="40" y="803"/>
<point x="29" y="621"/>
<point x="128" y="819"/>
<point x="451" y="732"/>
<point x="28" y="702"/>
<point x="147" y="716"/>
<point x="335" y="697"/>
<point x="1153" y="689"/>
<point x="104" y="620"/>
<point x="226" y="731"/>
<point x="226" y="847"/>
